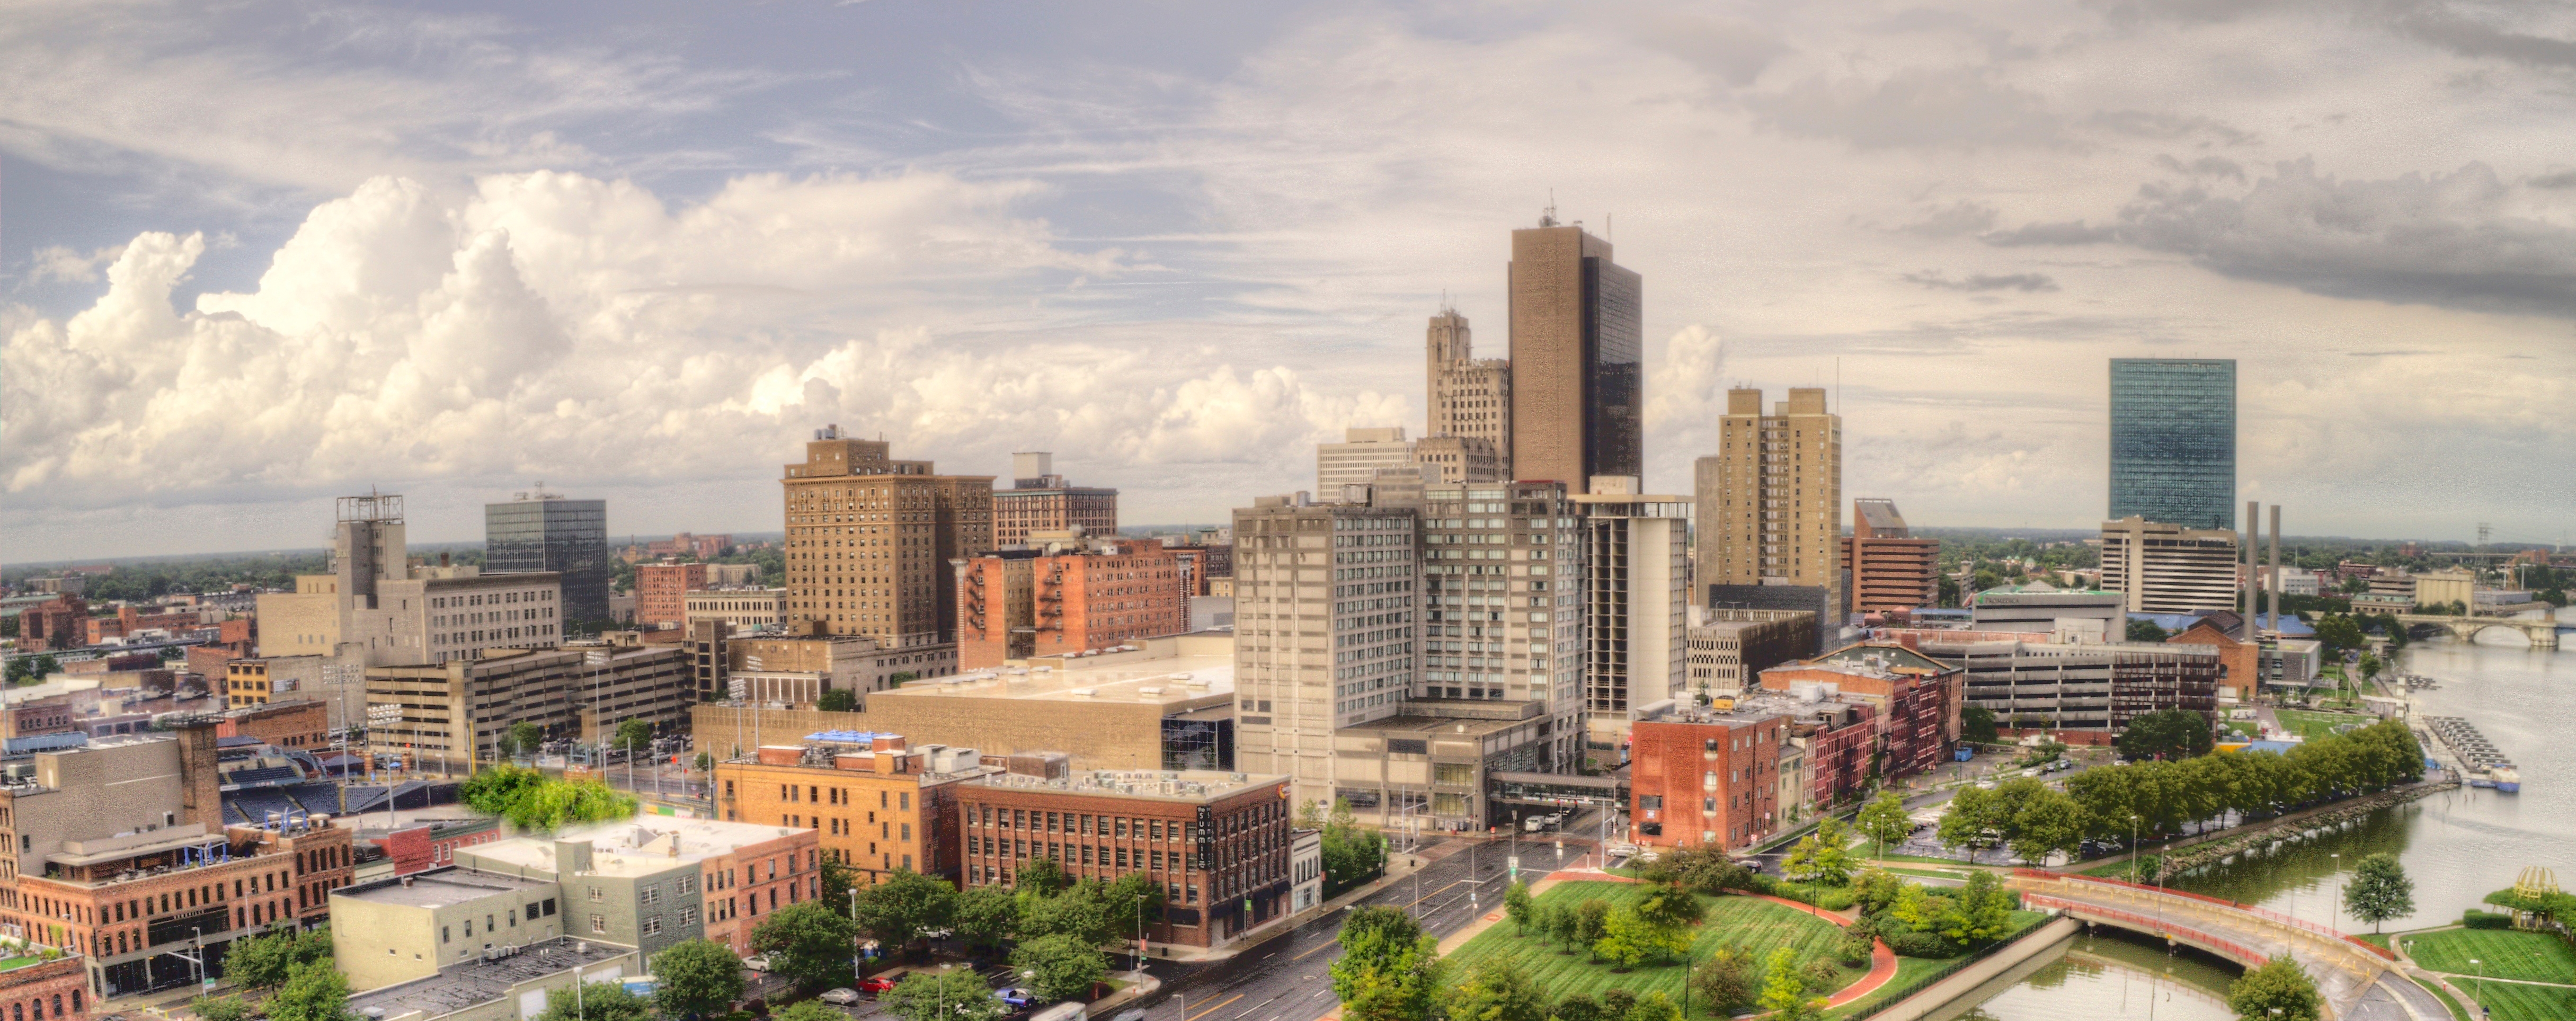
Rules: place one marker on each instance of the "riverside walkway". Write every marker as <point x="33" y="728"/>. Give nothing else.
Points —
<point x="2357" y="981"/>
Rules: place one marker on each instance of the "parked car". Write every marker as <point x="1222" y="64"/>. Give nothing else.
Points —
<point x="1536" y="823"/>
<point x="1015" y="996"/>
<point x="1130" y="1014"/>
<point x="756" y="962"/>
<point x="840" y="997"/>
<point x="875" y="984"/>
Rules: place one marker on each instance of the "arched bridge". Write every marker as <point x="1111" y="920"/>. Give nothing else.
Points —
<point x="2357" y="981"/>
<point x="2542" y="631"/>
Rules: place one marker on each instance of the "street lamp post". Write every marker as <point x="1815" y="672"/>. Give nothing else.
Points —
<point x="1140" y="938"/>
<point x="2337" y="905"/>
<point x="2133" y="849"/>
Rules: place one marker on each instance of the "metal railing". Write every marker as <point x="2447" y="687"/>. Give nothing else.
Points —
<point x="2242" y="953"/>
<point x="2266" y="914"/>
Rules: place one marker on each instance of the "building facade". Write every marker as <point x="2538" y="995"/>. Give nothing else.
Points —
<point x="1471" y="405"/>
<point x="1040" y="500"/>
<point x="540" y="531"/>
<point x="448" y="715"/>
<point x="1357" y="460"/>
<point x="2077" y="693"/>
<point x="2173" y="441"/>
<point x="1636" y="604"/>
<point x="1067" y="593"/>
<point x="2159" y="567"/>
<point x="871" y="802"/>
<point x="661" y="591"/>
<point x="1888" y="568"/>
<point x="1770" y="499"/>
<point x="1729" y="647"/>
<point x="1703" y="778"/>
<point x="871" y="541"/>
<point x="1577" y="341"/>
<point x="744" y="609"/>
<point x="1218" y="843"/>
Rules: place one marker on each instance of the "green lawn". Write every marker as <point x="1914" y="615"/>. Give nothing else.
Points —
<point x="1747" y="923"/>
<point x="2376" y="939"/>
<point x="2511" y="1002"/>
<point x="2458" y="1013"/>
<point x="2314" y="725"/>
<point x="2502" y="953"/>
<point x="1910" y="972"/>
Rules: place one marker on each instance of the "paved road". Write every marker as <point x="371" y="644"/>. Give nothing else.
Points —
<point x="1289" y="978"/>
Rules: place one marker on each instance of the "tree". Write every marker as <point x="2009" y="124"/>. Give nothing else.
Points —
<point x="808" y="942"/>
<point x="1823" y="857"/>
<point x="1497" y="992"/>
<point x="2379" y="890"/>
<point x="958" y="994"/>
<point x="1876" y="890"/>
<point x="1562" y="923"/>
<point x="2280" y="984"/>
<point x="1885" y="821"/>
<point x="1389" y="970"/>
<point x="633" y="736"/>
<point x="706" y="762"/>
<point x="524" y="738"/>
<point x="1080" y="911"/>
<point x="1591" y="922"/>
<point x="1042" y="876"/>
<point x="1981" y="911"/>
<point x="494" y="791"/>
<point x="2169" y="734"/>
<point x="986" y="914"/>
<point x="1913" y="909"/>
<point x="219" y="1008"/>
<point x="1625" y="939"/>
<point x="268" y="961"/>
<point x="2339" y="632"/>
<point x="838" y="700"/>
<point x="1784" y="992"/>
<point x="2146" y="631"/>
<point x="315" y="991"/>
<point x="1518" y="906"/>
<point x="2048" y="821"/>
<point x="808" y="1010"/>
<point x="897" y="910"/>
<point x="557" y="802"/>
<point x="1654" y="1007"/>
<point x="1133" y="902"/>
<point x="1063" y="967"/>
<point x="2370" y="666"/>
<point x="837" y="881"/>
<point x="696" y="978"/>
<point x="1725" y="981"/>
<point x="1977" y="723"/>
<point x="1577" y="1007"/>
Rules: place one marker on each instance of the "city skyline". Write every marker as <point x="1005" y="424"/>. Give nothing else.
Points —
<point x="1182" y="253"/>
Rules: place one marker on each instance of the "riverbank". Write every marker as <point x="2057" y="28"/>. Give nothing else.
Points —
<point x="1912" y="998"/>
<point x="2179" y="856"/>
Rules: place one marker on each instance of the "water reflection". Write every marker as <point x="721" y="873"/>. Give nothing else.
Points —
<point x="2458" y="847"/>
<point x="2108" y="976"/>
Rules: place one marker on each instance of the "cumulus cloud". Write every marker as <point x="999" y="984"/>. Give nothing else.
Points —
<point x="61" y="263"/>
<point x="2024" y="282"/>
<point x="560" y="326"/>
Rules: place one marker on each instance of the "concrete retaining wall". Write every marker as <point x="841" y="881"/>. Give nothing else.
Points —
<point x="1924" y="1002"/>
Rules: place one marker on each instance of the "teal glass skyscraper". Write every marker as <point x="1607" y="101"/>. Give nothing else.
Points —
<point x="2173" y="440"/>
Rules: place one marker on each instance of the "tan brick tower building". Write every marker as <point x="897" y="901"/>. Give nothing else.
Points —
<point x="870" y="540"/>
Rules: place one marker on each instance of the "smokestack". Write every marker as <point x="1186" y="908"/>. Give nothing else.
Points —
<point x="2273" y="579"/>
<point x="2253" y="561"/>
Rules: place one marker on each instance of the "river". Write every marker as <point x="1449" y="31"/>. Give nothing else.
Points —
<point x="2107" y="977"/>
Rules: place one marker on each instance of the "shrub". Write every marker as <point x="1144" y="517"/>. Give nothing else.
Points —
<point x="1820" y="975"/>
<point x="1835" y="900"/>
<point x="1854" y="949"/>
<point x="1919" y="944"/>
<point x="2476" y="919"/>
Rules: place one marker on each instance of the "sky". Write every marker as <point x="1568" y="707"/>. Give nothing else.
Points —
<point x="257" y="255"/>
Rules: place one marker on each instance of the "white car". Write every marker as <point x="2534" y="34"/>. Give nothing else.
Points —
<point x="758" y="962"/>
<point x="840" y="997"/>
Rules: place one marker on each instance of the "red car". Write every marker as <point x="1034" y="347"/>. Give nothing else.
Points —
<point x="875" y="984"/>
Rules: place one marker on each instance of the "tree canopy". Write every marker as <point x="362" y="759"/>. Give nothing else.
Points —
<point x="2379" y="890"/>
<point x="1389" y="970"/>
<point x="597" y="1001"/>
<point x="268" y="961"/>
<point x="313" y="991"/>
<point x="695" y="978"/>
<point x="957" y="994"/>
<point x="2168" y="734"/>
<point x="532" y="802"/>
<point x="1063" y="967"/>
<point x="898" y="910"/>
<point x="808" y="942"/>
<point x="2279" y="984"/>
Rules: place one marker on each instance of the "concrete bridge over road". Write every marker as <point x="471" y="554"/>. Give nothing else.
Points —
<point x="2542" y="631"/>
<point x="2357" y="981"/>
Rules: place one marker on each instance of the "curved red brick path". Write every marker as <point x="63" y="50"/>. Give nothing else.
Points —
<point x="1882" y="960"/>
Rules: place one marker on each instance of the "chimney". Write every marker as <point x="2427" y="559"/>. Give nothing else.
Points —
<point x="572" y="857"/>
<point x="442" y="560"/>
<point x="2272" y="580"/>
<point x="199" y="801"/>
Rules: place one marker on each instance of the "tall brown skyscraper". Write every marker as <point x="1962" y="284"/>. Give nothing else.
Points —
<point x="1770" y="499"/>
<point x="1470" y="400"/>
<point x="1578" y="395"/>
<point x="870" y="540"/>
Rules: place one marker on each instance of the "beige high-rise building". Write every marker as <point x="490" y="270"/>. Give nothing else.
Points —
<point x="1461" y="460"/>
<point x="378" y="608"/>
<point x="1471" y="403"/>
<point x="1636" y="604"/>
<point x="1770" y="500"/>
<point x="1577" y="387"/>
<point x="1356" y="460"/>
<point x="2162" y="568"/>
<point x="870" y="540"/>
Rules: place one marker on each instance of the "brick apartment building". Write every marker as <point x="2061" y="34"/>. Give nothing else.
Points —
<point x="872" y="542"/>
<point x="53" y="624"/>
<point x="130" y="621"/>
<point x="1890" y="569"/>
<point x="1218" y="842"/>
<point x="1040" y="500"/>
<point x="873" y="803"/>
<point x="1706" y="778"/>
<point x="56" y="990"/>
<point x="1067" y="593"/>
<point x="661" y="591"/>
<point x="1916" y="699"/>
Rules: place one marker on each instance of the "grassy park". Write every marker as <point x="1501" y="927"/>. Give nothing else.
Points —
<point x="1748" y="923"/>
<point x="2501" y="953"/>
<point x="2510" y="1001"/>
<point x="2313" y="725"/>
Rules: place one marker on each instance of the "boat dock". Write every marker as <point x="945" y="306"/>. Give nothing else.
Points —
<point x="2484" y="764"/>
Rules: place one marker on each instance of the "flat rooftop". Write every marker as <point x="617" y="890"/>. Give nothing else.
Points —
<point x="439" y="888"/>
<point x="641" y="846"/>
<point x="478" y="981"/>
<point x="1188" y="785"/>
<point x="1155" y="671"/>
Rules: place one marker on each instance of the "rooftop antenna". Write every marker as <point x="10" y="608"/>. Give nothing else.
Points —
<point x="1548" y="218"/>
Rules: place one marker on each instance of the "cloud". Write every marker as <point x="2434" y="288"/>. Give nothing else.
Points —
<point x="1912" y="107"/>
<point x="56" y="262"/>
<point x="2023" y="282"/>
<point x="2069" y="232"/>
<point x="1961" y="217"/>
<point x="1734" y="51"/>
<point x="2560" y="179"/>
<point x="560" y="326"/>
<point x="2167" y="126"/>
<point x="2470" y="38"/>
<point x="2206" y="166"/>
<point x="2446" y="238"/>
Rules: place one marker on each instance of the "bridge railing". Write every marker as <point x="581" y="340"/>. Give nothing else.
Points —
<point x="2266" y="914"/>
<point x="2243" y="954"/>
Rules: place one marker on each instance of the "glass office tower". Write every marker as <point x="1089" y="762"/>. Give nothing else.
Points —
<point x="2173" y="440"/>
<point x="544" y="532"/>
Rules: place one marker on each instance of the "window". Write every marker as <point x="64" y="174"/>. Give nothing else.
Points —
<point x="653" y="925"/>
<point x="599" y="925"/>
<point x="595" y="896"/>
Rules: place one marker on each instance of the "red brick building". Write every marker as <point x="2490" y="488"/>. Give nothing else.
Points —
<point x="56" y="990"/>
<point x="1039" y="500"/>
<point x="1706" y="778"/>
<point x="1912" y="703"/>
<point x="1217" y="842"/>
<point x="1069" y="595"/>
<point x="303" y="724"/>
<point x="128" y="621"/>
<point x="660" y="588"/>
<point x="1890" y="569"/>
<point x="54" y="624"/>
<point x="429" y="845"/>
